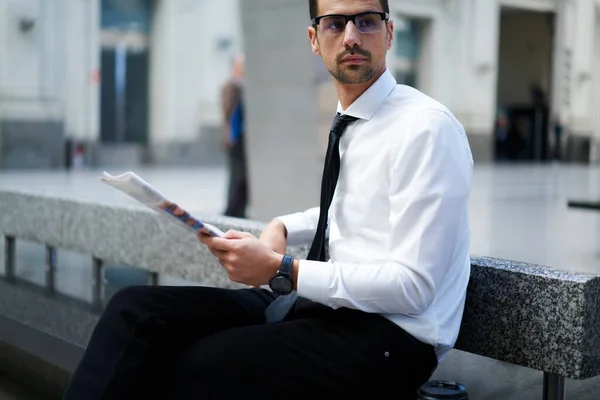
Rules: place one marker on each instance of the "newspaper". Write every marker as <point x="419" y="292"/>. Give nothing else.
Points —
<point x="134" y="186"/>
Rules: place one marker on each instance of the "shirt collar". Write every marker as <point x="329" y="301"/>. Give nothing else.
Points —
<point x="367" y="104"/>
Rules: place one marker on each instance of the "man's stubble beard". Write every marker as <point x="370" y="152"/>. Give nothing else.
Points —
<point x="363" y="73"/>
<point x="366" y="72"/>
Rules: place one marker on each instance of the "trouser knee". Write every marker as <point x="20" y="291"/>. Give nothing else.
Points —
<point x="129" y="303"/>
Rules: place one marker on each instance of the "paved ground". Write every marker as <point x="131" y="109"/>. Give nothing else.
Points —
<point x="516" y="212"/>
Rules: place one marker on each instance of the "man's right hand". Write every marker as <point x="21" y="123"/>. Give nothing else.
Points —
<point x="275" y="236"/>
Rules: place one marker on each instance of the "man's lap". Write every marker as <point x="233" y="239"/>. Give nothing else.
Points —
<point x="215" y="341"/>
<point x="327" y="352"/>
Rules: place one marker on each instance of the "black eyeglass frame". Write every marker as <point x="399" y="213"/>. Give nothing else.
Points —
<point x="384" y="17"/>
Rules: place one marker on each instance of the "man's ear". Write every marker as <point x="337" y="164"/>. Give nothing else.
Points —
<point x="390" y="34"/>
<point x="314" y="40"/>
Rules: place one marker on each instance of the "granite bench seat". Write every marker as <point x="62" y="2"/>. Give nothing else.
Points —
<point x="523" y="314"/>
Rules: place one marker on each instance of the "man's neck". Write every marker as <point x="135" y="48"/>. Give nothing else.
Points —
<point x="348" y="93"/>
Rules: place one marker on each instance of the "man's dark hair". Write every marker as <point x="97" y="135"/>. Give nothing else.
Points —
<point x="313" y="6"/>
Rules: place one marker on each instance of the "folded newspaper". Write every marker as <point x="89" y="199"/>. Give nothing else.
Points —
<point x="134" y="186"/>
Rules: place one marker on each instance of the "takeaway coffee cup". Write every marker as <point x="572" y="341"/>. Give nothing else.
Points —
<point x="442" y="390"/>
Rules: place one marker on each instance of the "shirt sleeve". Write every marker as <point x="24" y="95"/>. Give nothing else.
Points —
<point x="301" y="226"/>
<point x="430" y="181"/>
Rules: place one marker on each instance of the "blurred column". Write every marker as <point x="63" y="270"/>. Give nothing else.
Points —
<point x="482" y="73"/>
<point x="81" y="40"/>
<point x="596" y="75"/>
<point x="193" y="43"/>
<point x="582" y="43"/>
<point x="283" y="146"/>
<point x="577" y="62"/>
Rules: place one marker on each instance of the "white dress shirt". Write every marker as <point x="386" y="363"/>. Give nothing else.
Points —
<point x="399" y="234"/>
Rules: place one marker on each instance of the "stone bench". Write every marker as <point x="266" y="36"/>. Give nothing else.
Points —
<point x="523" y="314"/>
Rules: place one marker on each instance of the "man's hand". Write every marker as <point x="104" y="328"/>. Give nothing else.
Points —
<point x="246" y="259"/>
<point x="274" y="236"/>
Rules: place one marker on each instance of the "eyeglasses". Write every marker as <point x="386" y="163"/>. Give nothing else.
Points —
<point x="366" y="23"/>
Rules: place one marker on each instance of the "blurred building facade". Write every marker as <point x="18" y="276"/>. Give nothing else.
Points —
<point x="511" y="70"/>
<point x="137" y="81"/>
<point x="117" y="81"/>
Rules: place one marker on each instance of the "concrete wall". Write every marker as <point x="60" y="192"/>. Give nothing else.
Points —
<point x="30" y="82"/>
<point x="595" y="142"/>
<point x="581" y="45"/>
<point x="48" y="85"/>
<point x="283" y="147"/>
<point x="463" y="66"/>
<point x="81" y="21"/>
<point x="461" y="55"/>
<point x="596" y="77"/>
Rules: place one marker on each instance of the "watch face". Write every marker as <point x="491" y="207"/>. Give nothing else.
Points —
<point x="281" y="285"/>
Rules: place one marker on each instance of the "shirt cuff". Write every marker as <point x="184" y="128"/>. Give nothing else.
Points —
<point x="297" y="232"/>
<point x="313" y="280"/>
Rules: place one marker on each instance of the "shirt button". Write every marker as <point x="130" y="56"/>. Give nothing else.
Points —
<point x="387" y="354"/>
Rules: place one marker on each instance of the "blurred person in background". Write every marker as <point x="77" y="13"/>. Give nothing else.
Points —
<point x="232" y="139"/>
<point x="558" y="128"/>
<point x="501" y="133"/>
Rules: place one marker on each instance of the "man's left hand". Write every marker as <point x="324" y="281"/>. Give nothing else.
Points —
<point x="246" y="259"/>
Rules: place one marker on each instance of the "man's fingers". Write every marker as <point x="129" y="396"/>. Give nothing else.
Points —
<point x="231" y="234"/>
<point x="215" y="245"/>
<point x="221" y="244"/>
<point x="204" y="238"/>
<point x="218" y="253"/>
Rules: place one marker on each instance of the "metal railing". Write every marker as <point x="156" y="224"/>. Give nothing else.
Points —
<point x="98" y="272"/>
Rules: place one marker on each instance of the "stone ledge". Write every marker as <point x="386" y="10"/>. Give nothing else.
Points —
<point x="132" y="236"/>
<point x="524" y="314"/>
<point x="533" y="316"/>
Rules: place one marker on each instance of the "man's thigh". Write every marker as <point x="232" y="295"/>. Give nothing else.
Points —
<point x="303" y="358"/>
<point x="181" y="305"/>
<point x="143" y="325"/>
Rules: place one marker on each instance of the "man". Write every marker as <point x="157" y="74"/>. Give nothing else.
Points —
<point x="233" y="141"/>
<point x="558" y="131"/>
<point x="374" y="319"/>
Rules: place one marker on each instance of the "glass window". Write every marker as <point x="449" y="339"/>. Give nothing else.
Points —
<point x="73" y="276"/>
<point x="408" y="46"/>
<point x="126" y="14"/>
<point x="120" y="276"/>
<point x="408" y="39"/>
<point x="30" y="262"/>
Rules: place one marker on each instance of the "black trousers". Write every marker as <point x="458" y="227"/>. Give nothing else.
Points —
<point x="207" y="343"/>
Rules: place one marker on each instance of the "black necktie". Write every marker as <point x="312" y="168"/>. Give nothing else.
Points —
<point x="283" y="304"/>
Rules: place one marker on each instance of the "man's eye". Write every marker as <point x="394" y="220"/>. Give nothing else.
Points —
<point x="334" y="26"/>
<point x="367" y="22"/>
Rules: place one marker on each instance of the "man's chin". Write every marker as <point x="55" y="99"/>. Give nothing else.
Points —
<point x="352" y="76"/>
<point x="354" y="67"/>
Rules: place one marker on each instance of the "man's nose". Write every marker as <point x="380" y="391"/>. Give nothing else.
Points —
<point x="351" y="35"/>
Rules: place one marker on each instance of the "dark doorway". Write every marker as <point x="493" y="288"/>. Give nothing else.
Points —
<point x="124" y="95"/>
<point x="124" y="106"/>
<point x="523" y="119"/>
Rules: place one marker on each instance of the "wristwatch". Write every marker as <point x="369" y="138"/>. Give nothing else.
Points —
<point x="282" y="283"/>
